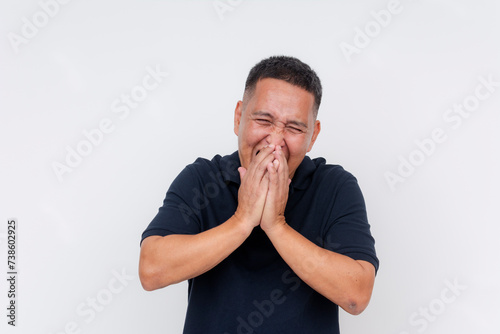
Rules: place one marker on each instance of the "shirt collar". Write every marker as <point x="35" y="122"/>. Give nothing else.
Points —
<point x="303" y="174"/>
<point x="229" y="165"/>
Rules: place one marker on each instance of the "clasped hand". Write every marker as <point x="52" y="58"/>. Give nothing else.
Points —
<point x="263" y="192"/>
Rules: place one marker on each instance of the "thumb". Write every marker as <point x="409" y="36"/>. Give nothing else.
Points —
<point x="242" y="171"/>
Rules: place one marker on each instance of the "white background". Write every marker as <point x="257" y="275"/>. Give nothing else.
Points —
<point x="440" y="225"/>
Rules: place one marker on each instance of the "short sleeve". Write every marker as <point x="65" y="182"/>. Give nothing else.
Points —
<point x="179" y="213"/>
<point x="348" y="230"/>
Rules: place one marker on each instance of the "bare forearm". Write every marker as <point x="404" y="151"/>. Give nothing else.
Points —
<point x="346" y="282"/>
<point x="175" y="258"/>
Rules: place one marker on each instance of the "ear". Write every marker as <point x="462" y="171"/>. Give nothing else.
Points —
<point x="317" y="129"/>
<point x="237" y="116"/>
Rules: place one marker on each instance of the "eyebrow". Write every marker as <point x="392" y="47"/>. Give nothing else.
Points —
<point x="266" y="114"/>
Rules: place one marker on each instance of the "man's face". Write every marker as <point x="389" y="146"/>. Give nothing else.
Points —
<point x="280" y="114"/>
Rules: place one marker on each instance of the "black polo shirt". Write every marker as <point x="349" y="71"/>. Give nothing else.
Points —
<point x="253" y="290"/>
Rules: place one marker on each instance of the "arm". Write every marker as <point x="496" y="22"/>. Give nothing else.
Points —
<point x="346" y="282"/>
<point x="177" y="257"/>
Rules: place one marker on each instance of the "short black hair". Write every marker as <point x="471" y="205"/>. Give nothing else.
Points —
<point x="288" y="69"/>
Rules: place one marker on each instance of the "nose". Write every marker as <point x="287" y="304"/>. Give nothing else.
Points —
<point x="276" y="136"/>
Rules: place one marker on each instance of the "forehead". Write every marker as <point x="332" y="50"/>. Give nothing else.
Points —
<point x="281" y="99"/>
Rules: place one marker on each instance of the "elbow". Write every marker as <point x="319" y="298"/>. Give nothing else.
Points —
<point x="151" y="274"/>
<point x="361" y="290"/>
<point x="147" y="285"/>
<point x="146" y="276"/>
<point x="156" y="271"/>
<point x="150" y="280"/>
<point x="151" y="277"/>
<point x="357" y="304"/>
<point x="354" y="308"/>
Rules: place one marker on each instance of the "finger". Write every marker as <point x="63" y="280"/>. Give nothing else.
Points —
<point x="242" y="171"/>
<point x="283" y="165"/>
<point x="264" y="185"/>
<point x="272" y="170"/>
<point x="262" y="154"/>
<point x="278" y="154"/>
<point x="276" y="164"/>
<point x="274" y="186"/>
<point x="272" y="190"/>
<point x="258" y="165"/>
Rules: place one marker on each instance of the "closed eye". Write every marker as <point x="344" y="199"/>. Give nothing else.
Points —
<point x="263" y="121"/>
<point x="294" y="130"/>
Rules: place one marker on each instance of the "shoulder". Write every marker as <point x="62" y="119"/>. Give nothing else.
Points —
<point x="330" y="174"/>
<point x="217" y="162"/>
<point x="332" y="184"/>
<point x="218" y="167"/>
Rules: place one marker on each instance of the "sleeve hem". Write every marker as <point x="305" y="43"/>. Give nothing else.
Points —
<point x="159" y="232"/>
<point x="365" y="257"/>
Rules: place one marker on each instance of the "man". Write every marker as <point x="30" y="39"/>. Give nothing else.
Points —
<point x="270" y="240"/>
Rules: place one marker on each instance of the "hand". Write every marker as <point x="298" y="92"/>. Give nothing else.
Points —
<point x="277" y="194"/>
<point x="254" y="188"/>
